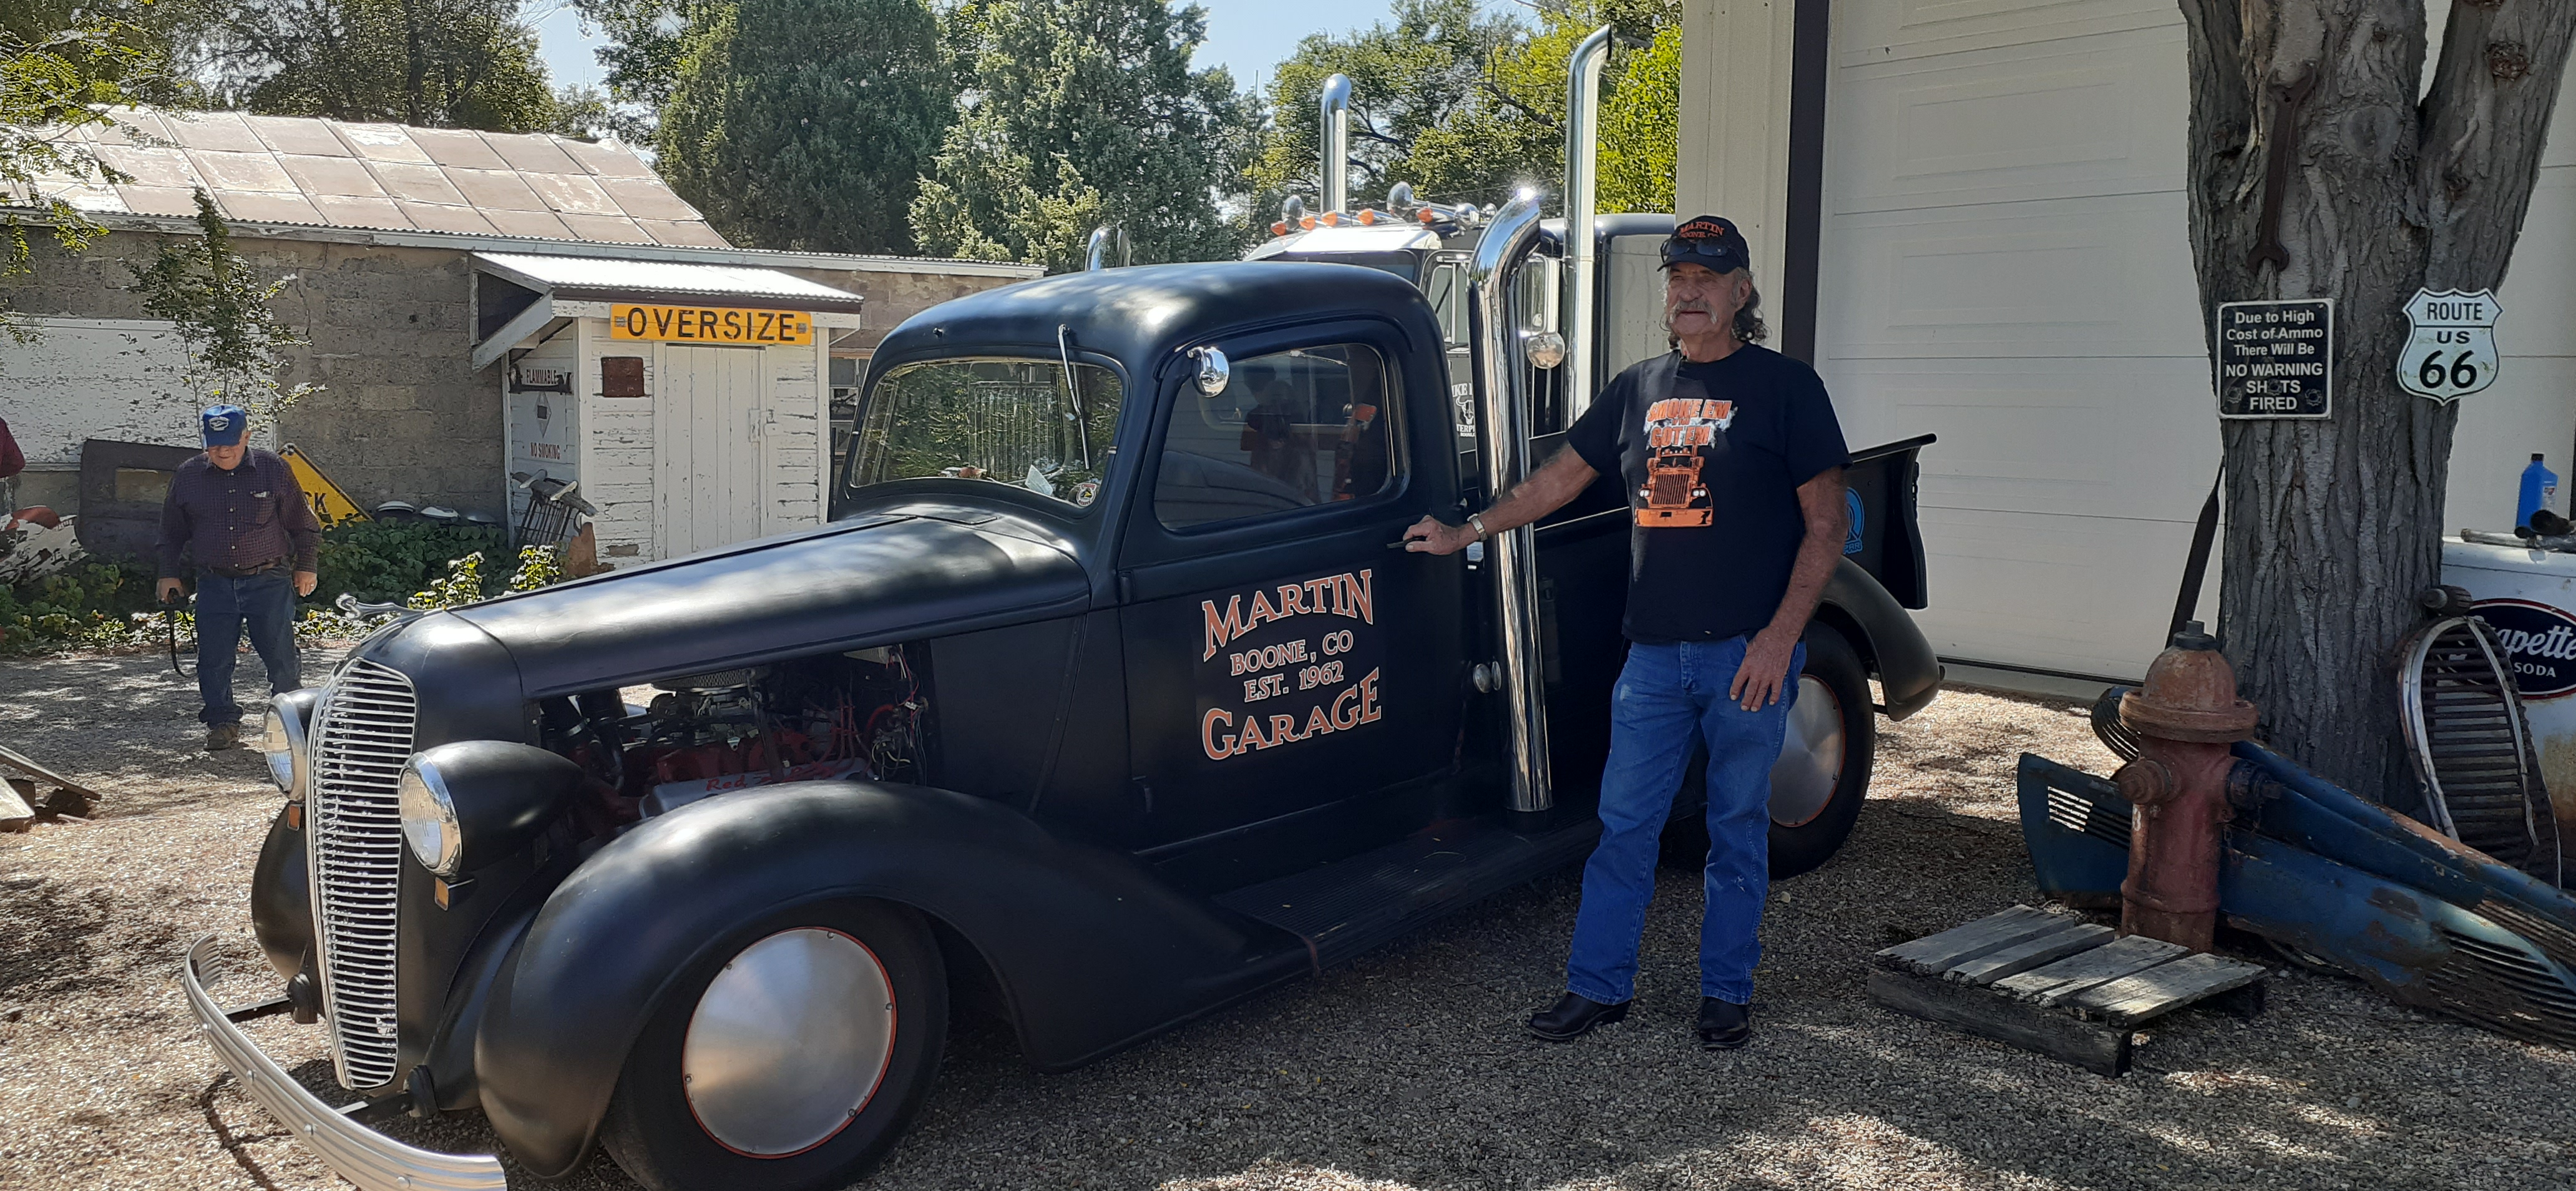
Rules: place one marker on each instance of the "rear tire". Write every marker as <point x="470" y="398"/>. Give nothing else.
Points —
<point x="1822" y="774"/>
<point x="790" y="1058"/>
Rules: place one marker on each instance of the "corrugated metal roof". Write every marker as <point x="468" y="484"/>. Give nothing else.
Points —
<point x="326" y="173"/>
<point x="606" y="278"/>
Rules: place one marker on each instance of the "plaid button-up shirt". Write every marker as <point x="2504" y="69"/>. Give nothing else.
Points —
<point x="237" y="520"/>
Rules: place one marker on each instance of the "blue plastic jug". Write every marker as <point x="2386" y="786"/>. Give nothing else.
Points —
<point x="2539" y="484"/>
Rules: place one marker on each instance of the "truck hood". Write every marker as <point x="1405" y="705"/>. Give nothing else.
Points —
<point x="894" y="575"/>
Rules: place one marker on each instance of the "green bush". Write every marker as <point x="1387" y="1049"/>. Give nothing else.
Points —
<point x="109" y="605"/>
<point x="384" y="562"/>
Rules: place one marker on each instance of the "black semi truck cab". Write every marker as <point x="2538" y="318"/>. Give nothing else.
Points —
<point x="1107" y="697"/>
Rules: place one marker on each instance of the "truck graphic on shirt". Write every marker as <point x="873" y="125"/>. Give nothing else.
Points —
<point x="1682" y="434"/>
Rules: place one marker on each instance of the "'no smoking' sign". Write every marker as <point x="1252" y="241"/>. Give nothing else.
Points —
<point x="2451" y="351"/>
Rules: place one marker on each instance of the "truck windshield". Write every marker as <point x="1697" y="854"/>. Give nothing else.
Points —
<point x="1008" y="421"/>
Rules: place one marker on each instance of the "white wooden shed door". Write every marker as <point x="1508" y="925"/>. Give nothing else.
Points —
<point x="707" y="475"/>
<point x="2005" y="262"/>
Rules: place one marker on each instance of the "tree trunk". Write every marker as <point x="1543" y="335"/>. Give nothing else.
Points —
<point x="2334" y="525"/>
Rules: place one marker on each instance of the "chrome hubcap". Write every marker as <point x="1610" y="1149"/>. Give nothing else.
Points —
<point x="788" y="1042"/>
<point x="1811" y="756"/>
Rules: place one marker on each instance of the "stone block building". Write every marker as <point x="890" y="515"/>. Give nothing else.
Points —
<point x="385" y="237"/>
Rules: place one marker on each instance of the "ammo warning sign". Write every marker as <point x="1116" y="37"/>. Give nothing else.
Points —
<point x="2276" y="359"/>
<point x="704" y="324"/>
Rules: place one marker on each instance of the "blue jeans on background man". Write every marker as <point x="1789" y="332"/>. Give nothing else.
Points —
<point x="265" y="603"/>
<point x="1668" y="698"/>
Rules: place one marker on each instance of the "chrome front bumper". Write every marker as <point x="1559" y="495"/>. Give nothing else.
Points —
<point x="371" y="1160"/>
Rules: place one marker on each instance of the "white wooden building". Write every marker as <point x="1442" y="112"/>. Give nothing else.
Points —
<point x="1970" y="216"/>
<point x="688" y="401"/>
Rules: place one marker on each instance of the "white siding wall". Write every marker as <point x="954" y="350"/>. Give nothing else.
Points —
<point x="792" y="446"/>
<point x="617" y="452"/>
<point x="118" y="379"/>
<point x="542" y="438"/>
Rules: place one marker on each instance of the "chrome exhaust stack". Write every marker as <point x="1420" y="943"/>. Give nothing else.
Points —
<point x="1105" y="240"/>
<point x="1582" y="195"/>
<point x="1502" y="440"/>
<point x="1336" y="143"/>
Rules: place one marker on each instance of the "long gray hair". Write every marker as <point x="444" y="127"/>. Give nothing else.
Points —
<point x="1749" y="325"/>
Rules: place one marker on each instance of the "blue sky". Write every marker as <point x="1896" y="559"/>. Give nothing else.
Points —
<point x="1248" y="37"/>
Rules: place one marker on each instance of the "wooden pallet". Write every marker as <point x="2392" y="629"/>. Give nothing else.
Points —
<point x="2056" y="984"/>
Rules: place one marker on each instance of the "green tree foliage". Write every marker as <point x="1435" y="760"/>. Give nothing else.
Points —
<point x="217" y="303"/>
<point x="1074" y="113"/>
<point x="433" y="63"/>
<point x="165" y="41"/>
<point x="1641" y="127"/>
<point x="52" y="85"/>
<point x="646" y="41"/>
<point x="1410" y="75"/>
<point x="807" y="124"/>
<point x="1468" y="106"/>
<point x="590" y="114"/>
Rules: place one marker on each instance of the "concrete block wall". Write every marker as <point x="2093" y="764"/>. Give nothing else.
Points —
<point x="401" y="415"/>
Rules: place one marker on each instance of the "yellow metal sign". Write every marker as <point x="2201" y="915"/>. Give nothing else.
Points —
<point x="710" y="324"/>
<point x="330" y="505"/>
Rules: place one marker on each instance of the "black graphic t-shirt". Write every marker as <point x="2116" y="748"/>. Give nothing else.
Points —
<point x="1712" y="470"/>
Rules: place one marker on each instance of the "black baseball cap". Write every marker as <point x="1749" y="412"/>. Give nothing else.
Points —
<point x="1708" y="240"/>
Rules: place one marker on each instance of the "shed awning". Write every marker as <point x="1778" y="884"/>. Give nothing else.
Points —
<point x="516" y="293"/>
<point x="600" y="279"/>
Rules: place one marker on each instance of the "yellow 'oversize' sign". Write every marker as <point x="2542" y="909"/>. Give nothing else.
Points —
<point x="709" y="324"/>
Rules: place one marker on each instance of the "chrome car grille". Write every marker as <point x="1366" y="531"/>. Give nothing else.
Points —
<point x="362" y="736"/>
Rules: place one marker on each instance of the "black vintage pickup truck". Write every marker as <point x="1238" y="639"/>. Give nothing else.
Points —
<point x="1103" y="700"/>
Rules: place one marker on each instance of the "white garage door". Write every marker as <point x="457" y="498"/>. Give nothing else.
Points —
<point x="708" y="475"/>
<point x="2004" y="264"/>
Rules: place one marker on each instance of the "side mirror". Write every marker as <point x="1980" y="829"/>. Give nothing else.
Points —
<point x="1214" y="371"/>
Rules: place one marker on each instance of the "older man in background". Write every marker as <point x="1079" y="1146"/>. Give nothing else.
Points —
<point x="238" y="513"/>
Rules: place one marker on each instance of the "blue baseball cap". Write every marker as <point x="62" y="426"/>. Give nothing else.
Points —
<point x="223" y="424"/>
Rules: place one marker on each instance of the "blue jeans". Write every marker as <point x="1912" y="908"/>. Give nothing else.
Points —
<point x="1670" y="697"/>
<point x="266" y="603"/>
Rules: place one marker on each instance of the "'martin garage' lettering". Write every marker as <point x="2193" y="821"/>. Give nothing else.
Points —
<point x="1346" y="594"/>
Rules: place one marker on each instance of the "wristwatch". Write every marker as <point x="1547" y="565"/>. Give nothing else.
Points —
<point x="1476" y="521"/>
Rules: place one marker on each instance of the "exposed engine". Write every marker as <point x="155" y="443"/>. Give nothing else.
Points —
<point x="852" y="715"/>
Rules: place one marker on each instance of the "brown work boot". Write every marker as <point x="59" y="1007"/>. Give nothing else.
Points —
<point x="222" y="736"/>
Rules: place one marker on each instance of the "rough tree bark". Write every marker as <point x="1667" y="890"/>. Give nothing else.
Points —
<point x="2334" y="525"/>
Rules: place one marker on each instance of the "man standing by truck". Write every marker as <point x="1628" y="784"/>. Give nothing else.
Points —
<point x="240" y="514"/>
<point x="1732" y="460"/>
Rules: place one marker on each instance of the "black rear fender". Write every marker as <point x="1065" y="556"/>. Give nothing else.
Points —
<point x="1884" y="635"/>
<point x="1090" y="952"/>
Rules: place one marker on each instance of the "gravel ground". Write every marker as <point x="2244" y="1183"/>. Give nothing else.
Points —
<point x="1406" y="1070"/>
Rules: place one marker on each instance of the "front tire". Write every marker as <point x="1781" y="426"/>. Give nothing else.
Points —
<point x="790" y="1057"/>
<point x="1821" y="776"/>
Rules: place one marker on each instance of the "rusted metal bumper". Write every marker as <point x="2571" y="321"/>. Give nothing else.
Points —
<point x="371" y="1160"/>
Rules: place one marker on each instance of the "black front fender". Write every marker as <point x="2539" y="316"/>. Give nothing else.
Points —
<point x="281" y="907"/>
<point x="1886" y="636"/>
<point x="1092" y="953"/>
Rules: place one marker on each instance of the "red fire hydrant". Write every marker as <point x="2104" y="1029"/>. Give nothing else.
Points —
<point x="2186" y="714"/>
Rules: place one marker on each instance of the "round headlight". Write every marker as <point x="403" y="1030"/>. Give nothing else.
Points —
<point x="429" y="819"/>
<point x="281" y="737"/>
<point x="281" y="754"/>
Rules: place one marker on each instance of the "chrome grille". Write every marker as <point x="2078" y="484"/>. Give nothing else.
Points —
<point x="362" y="736"/>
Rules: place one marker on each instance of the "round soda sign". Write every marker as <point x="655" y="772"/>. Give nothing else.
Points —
<point x="2539" y="642"/>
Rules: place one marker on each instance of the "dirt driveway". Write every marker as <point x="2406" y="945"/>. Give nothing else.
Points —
<point x="1405" y="1070"/>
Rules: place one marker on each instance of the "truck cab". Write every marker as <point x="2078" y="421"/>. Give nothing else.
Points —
<point x="1107" y="697"/>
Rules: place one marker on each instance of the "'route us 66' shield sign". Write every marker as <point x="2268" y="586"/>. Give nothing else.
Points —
<point x="2451" y="352"/>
